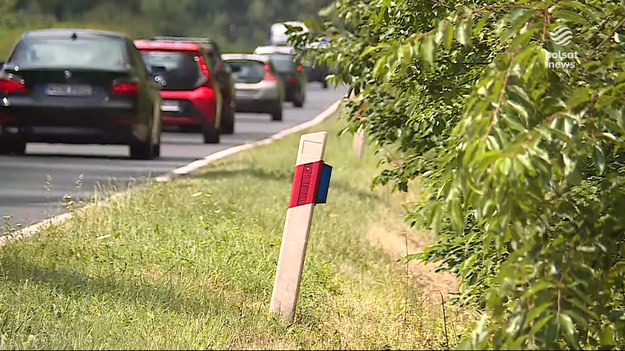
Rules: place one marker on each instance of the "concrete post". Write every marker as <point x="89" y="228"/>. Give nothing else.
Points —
<point x="297" y="227"/>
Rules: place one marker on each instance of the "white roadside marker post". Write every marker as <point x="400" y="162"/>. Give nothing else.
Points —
<point x="359" y="142"/>
<point x="310" y="186"/>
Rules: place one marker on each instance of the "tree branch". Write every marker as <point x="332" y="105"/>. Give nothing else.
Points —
<point x="611" y="34"/>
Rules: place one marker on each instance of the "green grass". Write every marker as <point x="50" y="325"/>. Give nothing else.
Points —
<point x="190" y="265"/>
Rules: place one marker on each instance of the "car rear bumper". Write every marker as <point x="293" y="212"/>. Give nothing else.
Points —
<point x="317" y="74"/>
<point x="198" y="105"/>
<point x="259" y="97"/>
<point x="77" y="125"/>
<point x="258" y="105"/>
<point x="182" y="121"/>
<point x="290" y="91"/>
<point x="71" y="135"/>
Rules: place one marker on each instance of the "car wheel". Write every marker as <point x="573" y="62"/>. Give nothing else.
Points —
<point x="299" y="100"/>
<point x="227" y="124"/>
<point x="276" y="115"/>
<point x="211" y="134"/>
<point x="16" y="147"/>
<point x="156" y="150"/>
<point x="142" y="150"/>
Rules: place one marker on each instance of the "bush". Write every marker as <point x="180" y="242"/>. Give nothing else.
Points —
<point x="516" y="135"/>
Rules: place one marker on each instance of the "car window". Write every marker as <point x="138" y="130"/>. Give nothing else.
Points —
<point x="179" y="69"/>
<point x="86" y="52"/>
<point x="247" y="71"/>
<point x="284" y="63"/>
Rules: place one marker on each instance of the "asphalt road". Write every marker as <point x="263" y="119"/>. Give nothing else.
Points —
<point x="32" y="187"/>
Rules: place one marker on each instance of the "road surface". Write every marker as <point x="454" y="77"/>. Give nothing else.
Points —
<point x="32" y="187"/>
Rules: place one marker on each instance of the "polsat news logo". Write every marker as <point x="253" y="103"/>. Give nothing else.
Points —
<point x="562" y="37"/>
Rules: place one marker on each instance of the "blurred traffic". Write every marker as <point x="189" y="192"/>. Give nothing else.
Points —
<point x="80" y="86"/>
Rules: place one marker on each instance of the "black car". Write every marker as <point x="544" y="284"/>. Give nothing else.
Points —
<point x="79" y="87"/>
<point x="290" y="71"/>
<point x="317" y="73"/>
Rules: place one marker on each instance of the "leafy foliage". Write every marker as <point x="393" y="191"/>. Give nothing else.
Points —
<point x="518" y="141"/>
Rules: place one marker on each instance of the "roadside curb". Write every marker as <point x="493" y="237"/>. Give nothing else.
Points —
<point x="176" y="173"/>
<point x="195" y="165"/>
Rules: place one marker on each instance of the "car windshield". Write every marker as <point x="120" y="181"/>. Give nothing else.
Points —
<point x="247" y="71"/>
<point x="91" y="52"/>
<point x="284" y="63"/>
<point x="179" y="69"/>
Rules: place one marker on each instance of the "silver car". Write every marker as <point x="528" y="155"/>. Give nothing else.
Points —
<point x="257" y="85"/>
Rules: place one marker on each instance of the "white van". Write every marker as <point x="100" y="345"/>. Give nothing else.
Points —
<point x="278" y="32"/>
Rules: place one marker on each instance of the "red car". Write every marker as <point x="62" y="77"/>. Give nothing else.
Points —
<point x="191" y="96"/>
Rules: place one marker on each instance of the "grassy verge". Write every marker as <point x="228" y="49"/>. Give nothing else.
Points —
<point x="190" y="265"/>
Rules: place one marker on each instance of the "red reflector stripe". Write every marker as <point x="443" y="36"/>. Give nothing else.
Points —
<point x="305" y="184"/>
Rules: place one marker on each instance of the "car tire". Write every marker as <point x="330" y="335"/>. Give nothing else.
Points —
<point x="156" y="150"/>
<point x="211" y="134"/>
<point x="276" y="115"/>
<point x="227" y="122"/>
<point x="142" y="150"/>
<point x="17" y="147"/>
<point x="324" y="84"/>
<point x="299" y="100"/>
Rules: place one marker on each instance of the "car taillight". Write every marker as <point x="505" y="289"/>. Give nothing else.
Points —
<point x="203" y="66"/>
<point x="268" y="76"/>
<point x="292" y="79"/>
<point x="12" y="86"/>
<point x="127" y="88"/>
<point x="300" y="68"/>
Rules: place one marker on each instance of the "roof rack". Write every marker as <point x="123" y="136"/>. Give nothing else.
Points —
<point x="185" y="39"/>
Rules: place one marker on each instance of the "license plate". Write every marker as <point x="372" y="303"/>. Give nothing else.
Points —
<point x="170" y="106"/>
<point x="246" y="93"/>
<point x="69" y="90"/>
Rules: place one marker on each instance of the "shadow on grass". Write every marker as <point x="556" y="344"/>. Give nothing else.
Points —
<point x="283" y="176"/>
<point x="72" y="283"/>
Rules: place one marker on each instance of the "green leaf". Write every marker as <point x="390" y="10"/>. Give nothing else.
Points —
<point x="607" y="337"/>
<point x="570" y="16"/>
<point x="566" y="324"/>
<point x="407" y="52"/>
<point x="455" y="214"/>
<point x="538" y="326"/>
<point x="536" y="311"/>
<point x="379" y="67"/>
<point x="519" y="109"/>
<point x="481" y="23"/>
<point x="534" y="288"/>
<point x="599" y="159"/>
<point x="463" y="32"/>
<point x="427" y="49"/>
<point x="449" y="34"/>
<point x="441" y="31"/>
